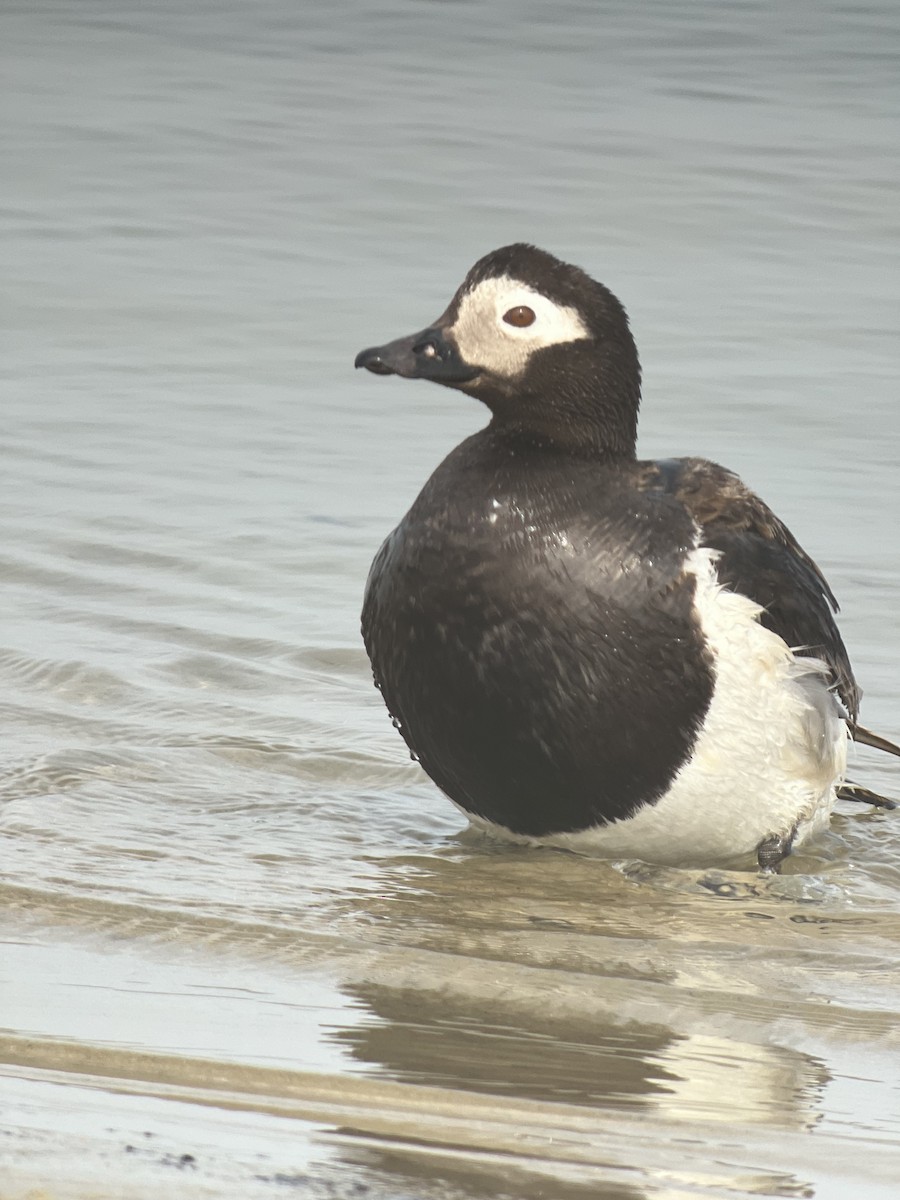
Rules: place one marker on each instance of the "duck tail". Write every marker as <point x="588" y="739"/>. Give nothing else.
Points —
<point x="866" y="737"/>
<point x="861" y="795"/>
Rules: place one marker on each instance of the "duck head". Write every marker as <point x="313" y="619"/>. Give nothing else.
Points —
<point x="546" y="347"/>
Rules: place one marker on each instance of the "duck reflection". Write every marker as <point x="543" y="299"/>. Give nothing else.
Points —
<point x="556" y="979"/>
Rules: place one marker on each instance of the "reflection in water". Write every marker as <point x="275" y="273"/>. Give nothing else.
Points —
<point x="564" y="980"/>
<point x="442" y="1175"/>
<point x="224" y="889"/>
<point x="441" y="1039"/>
<point x="737" y="1082"/>
<point x="435" y="1039"/>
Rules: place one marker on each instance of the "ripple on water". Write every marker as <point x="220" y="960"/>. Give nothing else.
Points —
<point x="238" y="923"/>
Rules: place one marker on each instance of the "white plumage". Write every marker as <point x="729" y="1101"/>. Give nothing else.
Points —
<point x="770" y="753"/>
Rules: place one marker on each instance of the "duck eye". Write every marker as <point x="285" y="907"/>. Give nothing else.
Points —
<point x="521" y="316"/>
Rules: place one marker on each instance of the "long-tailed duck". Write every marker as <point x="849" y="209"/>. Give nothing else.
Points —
<point x="587" y="650"/>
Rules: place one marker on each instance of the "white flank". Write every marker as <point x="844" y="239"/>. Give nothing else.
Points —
<point x="771" y="751"/>
<point x="486" y="340"/>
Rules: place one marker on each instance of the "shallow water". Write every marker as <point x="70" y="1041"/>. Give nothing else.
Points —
<point x="247" y="948"/>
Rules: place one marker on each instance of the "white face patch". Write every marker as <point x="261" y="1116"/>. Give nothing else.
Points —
<point x="486" y="340"/>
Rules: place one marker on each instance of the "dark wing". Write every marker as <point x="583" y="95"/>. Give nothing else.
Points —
<point x="762" y="559"/>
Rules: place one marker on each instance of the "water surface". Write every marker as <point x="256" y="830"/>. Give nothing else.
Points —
<point x="247" y="947"/>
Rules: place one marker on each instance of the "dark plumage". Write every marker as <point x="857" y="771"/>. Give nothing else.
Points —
<point x="546" y="624"/>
